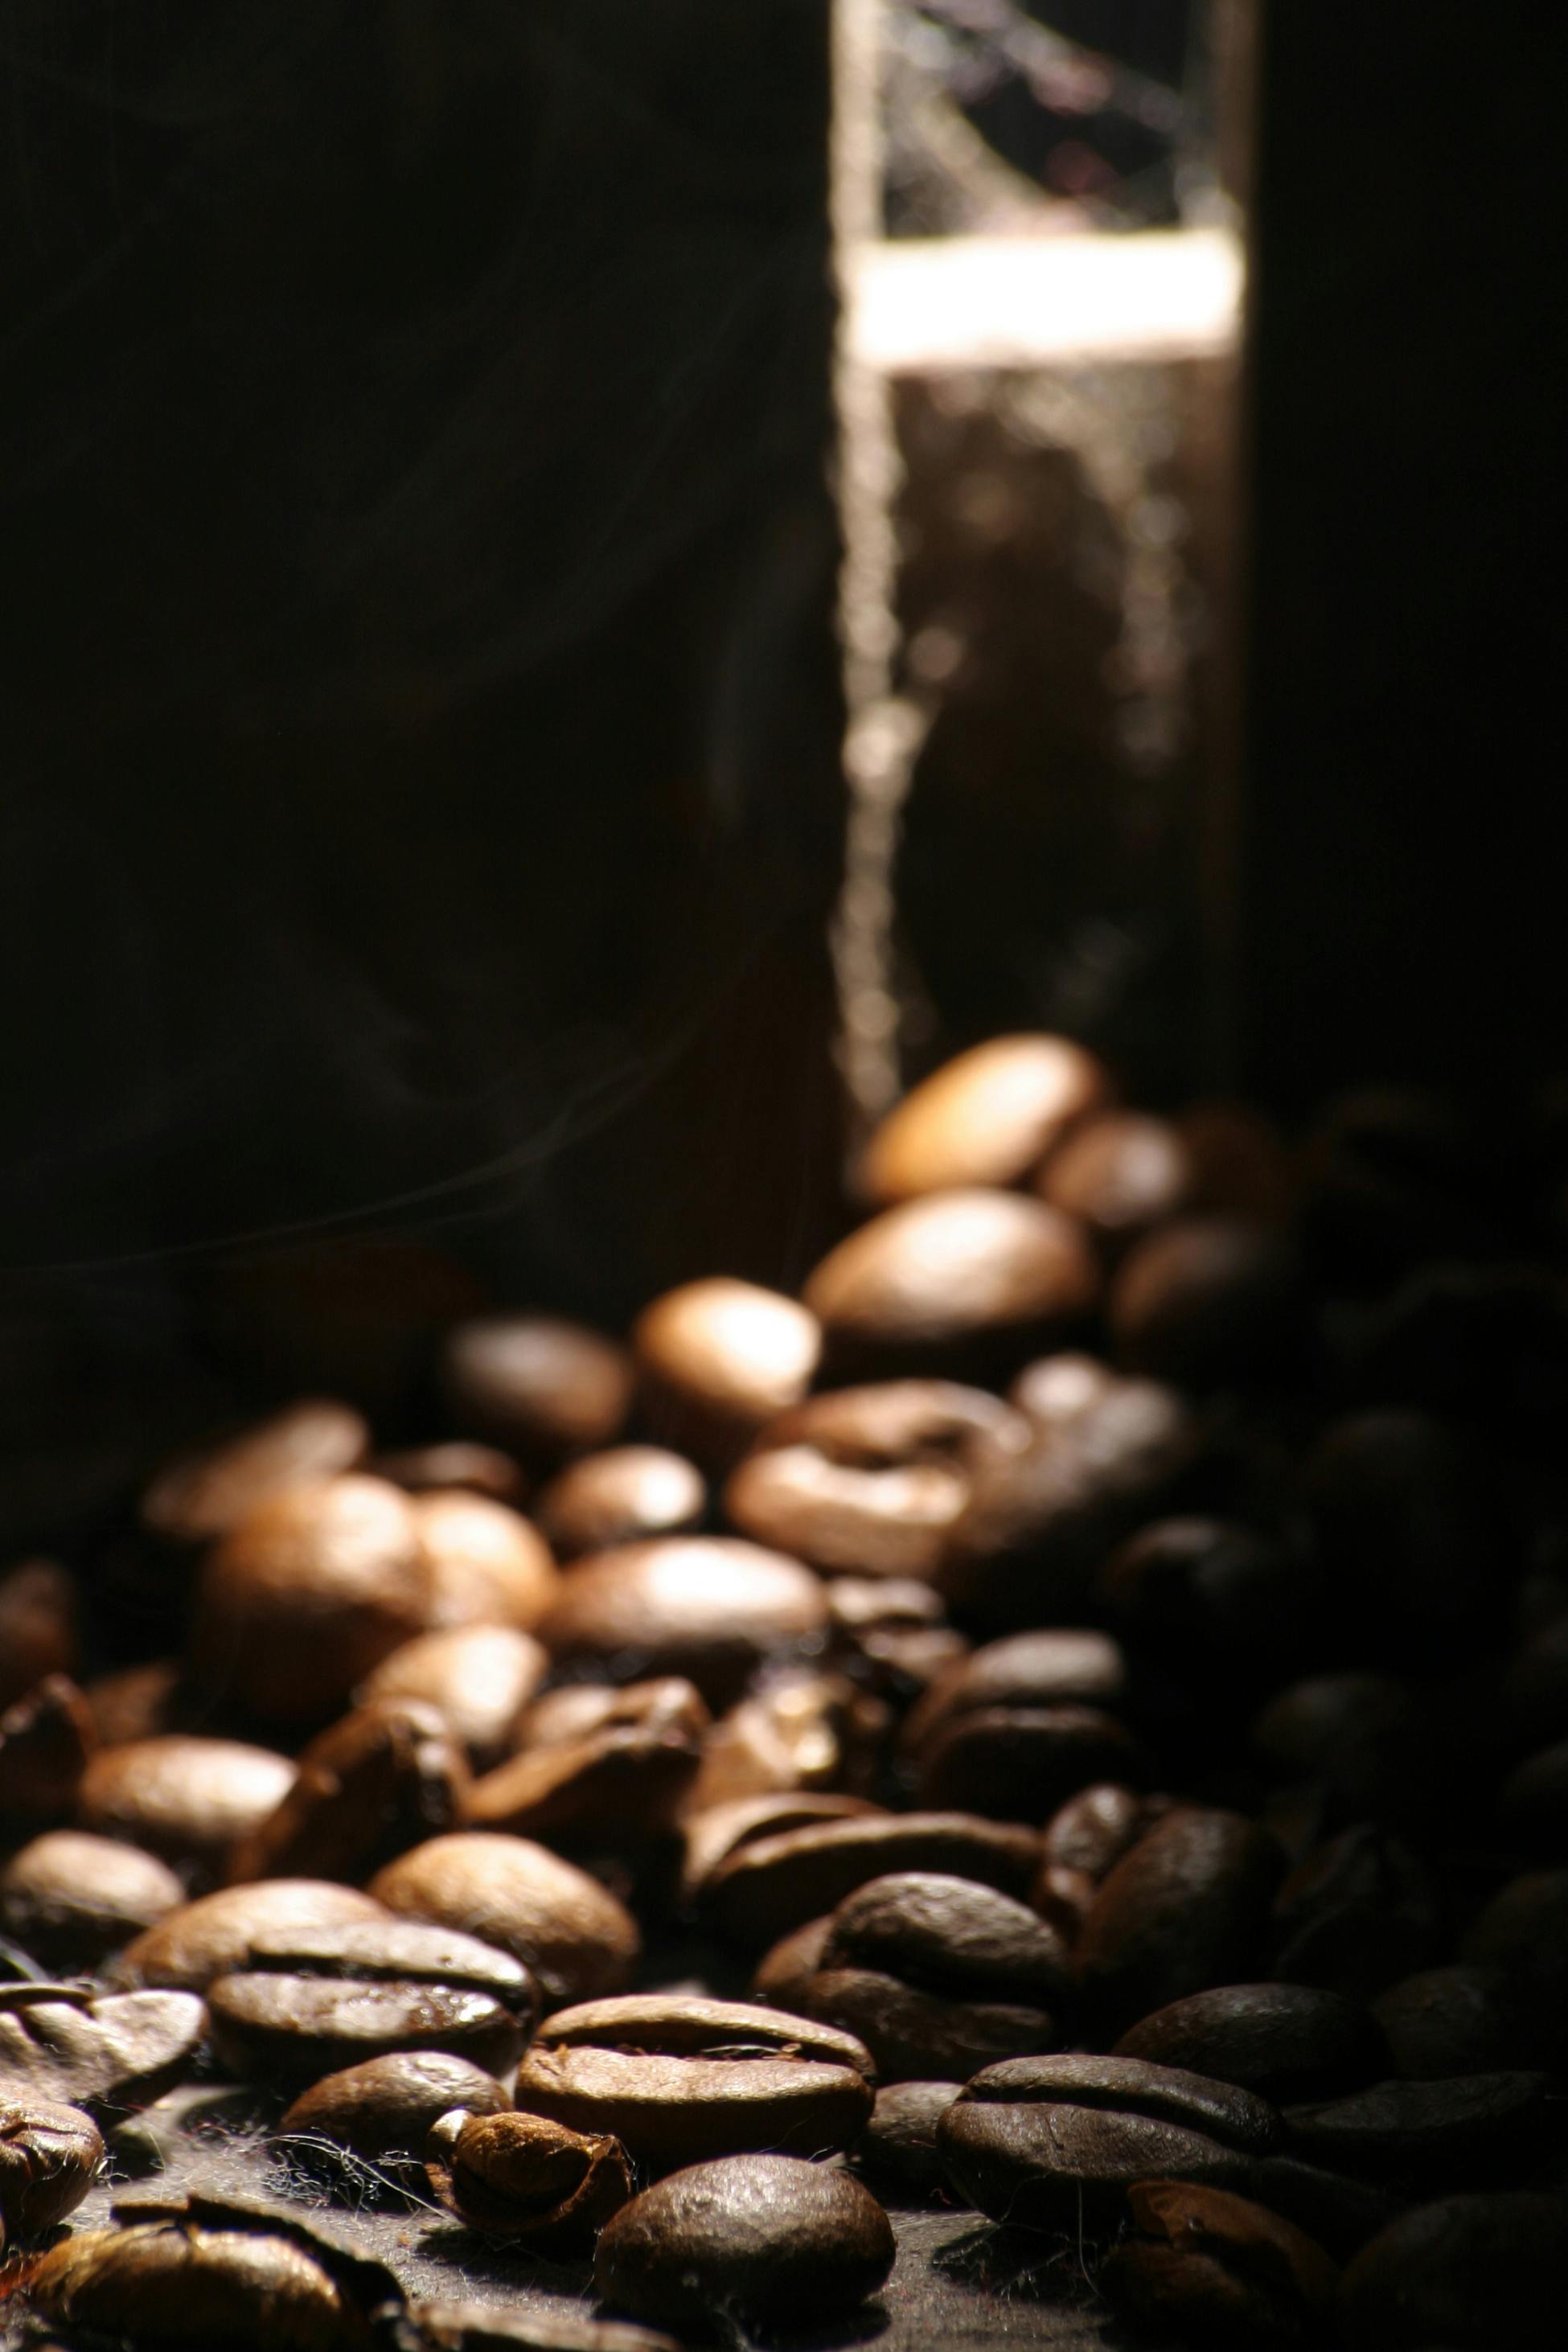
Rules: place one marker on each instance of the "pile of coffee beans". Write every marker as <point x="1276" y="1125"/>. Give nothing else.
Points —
<point x="1064" y="1726"/>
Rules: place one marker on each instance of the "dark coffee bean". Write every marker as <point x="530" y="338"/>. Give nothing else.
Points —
<point x="46" y="1737"/>
<point x="213" y="1935"/>
<point x="1532" y="1807"/>
<point x="1471" y="2273"/>
<point x="708" y="1607"/>
<point x="1206" y="1301"/>
<point x="186" y="1799"/>
<point x="1335" y="2208"/>
<point x="1185" y="1909"/>
<point x="488" y="1566"/>
<point x="38" y="1625"/>
<point x="1218" y="2269"/>
<point x="716" y="1832"/>
<point x="50" y="2157"/>
<point x="369" y="1787"/>
<point x="898" y="2149"/>
<point x="104" y="2052"/>
<point x="1094" y="1830"/>
<point x="1463" y="2020"/>
<point x="717" y="1359"/>
<point x="428" y="1469"/>
<point x="1524" y="1929"/>
<point x="621" y="1497"/>
<point x="570" y="1931"/>
<point x="987" y="1116"/>
<point x="783" y="1975"/>
<point x="71" y="1898"/>
<point x="1070" y="1667"/>
<point x="913" y="2032"/>
<point x="486" y="2328"/>
<point x="620" y="1771"/>
<point x="203" y="1493"/>
<point x="1044" y="2142"/>
<point x="1362" y="1740"/>
<point x="678" y="2079"/>
<point x="386" y="2106"/>
<point x="1356" y="1915"/>
<point x="751" y="2237"/>
<point x="538" y="1385"/>
<point x="766" y="1888"/>
<point x="1120" y="1175"/>
<point x="307" y="1595"/>
<point x="1288" y="2042"/>
<point x="478" y="1678"/>
<point x="528" y="2180"/>
<point x="949" y="1935"/>
<point x="135" y="1703"/>
<point x="1210" y="1603"/>
<point x="901" y="1642"/>
<point x="1435" y="2133"/>
<point x="994" y="1760"/>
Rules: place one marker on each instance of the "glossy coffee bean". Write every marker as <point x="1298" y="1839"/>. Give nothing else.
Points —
<point x="47" y="1738"/>
<point x="1205" y="1302"/>
<point x="528" y="2180"/>
<point x="711" y="1608"/>
<point x="536" y="1384"/>
<point x="1094" y="1830"/>
<point x="898" y="2150"/>
<point x="71" y="1900"/>
<point x="478" y="1678"/>
<point x="38" y="1625"/>
<point x="185" y="1797"/>
<point x="913" y="2032"/>
<point x="749" y="2238"/>
<point x="718" y="1831"/>
<point x="1285" y="2040"/>
<point x="385" y="2106"/>
<point x="987" y="1116"/>
<point x="570" y="1931"/>
<point x="678" y="2079"/>
<point x="213" y="1935"/>
<point x="1356" y="1914"/>
<point x="717" y="1359"/>
<point x="1187" y="1908"/>
<point x="795" y="1728"/>
<point x="488" y="1565"/>
<point x="770" y="1885"/>
<point x="203" y="1493"/>
<point x="621" y="1496"/>
<point x="1471" y="2273"/>
<point x="624" y="1773"/>
<point x="50" y="2157"/>
<point x="1120" y="1173"/>
<point x="949" y="1935"/>
<point x="1043" y="2142"/>
<point x="104" y="2052"/>
<point x="1433" y="2133"/>
<point x="375" y="1783"/>
<point x="1218" y="2269"/>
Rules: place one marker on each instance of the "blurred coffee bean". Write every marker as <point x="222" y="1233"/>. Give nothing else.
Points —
<point x="679" y="2079"/>
<point x="1218" y="2269"/>
<point x="38" y="1625"/>
<point x="456" y="1462"/>
<point x="1120" y="1175"/>
<point x="770" y="1885"/>
<point x="1094" y="1830"/>
<point x="103" y="2052"/>
<point x="1432" y="2134"/>
<point x="479" y="1679"/>
<point x="987" y="1116"/>
<point x="624" y="1773"/>
<point x="371" y="1786"/>
<point x="620" y="1497"/>
<point x="306" y="1595"/>
<point x="1362" y="1741"/>
<point x="384" y="2108"/>
<point x="47" y="1738"/>
<point x="70" y="1898"/>
<point x="1045" y="1668"/>
<point x="50" y="2157"/>
<point x="1485" y="1345"/>
<point x="1462" y="2019"/>
<point x="797" y="1729"/>
<point x="185" y="1797"/>
<point x="203" y="1493"/>
<point x="135" y="1701"/>
<point x="525" y="2179"/>
<point x="1055" y="2143"/>
<point x="998" y="1761"/>
<point x="898" y="2149"/>
<point x="1214" y="1612"/>
<point x="717" y="1830"/>
<point x="899" y="1640"/>
<point x="717" y="1359"/>
<point x="488" y="1566"/>
<point x="570" y="1931"/>
<point x="1469" y="2272"/>
<point x="1524" y="1931"/>
<point x="758" y="2238"/>
<point x="1392" y="1176"/>
<point x="1287" y="2041"/>
<point x="213" y="1935"/>
<point x="1242" y="1162"/>
<point x="711" y="1608"/>
<point x="957" y="1281"/>
<point x="536" y="1384"/>
<point x="1186" y="1909"/>
<point x="1358" y="1913"/>
<point x="1205" y="1302"/>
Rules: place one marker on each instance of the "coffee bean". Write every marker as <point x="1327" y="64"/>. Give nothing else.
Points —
<point x="1120" y="1173"/>
<point x="719" y="1358"/>
<point x="45" y="1739"/>
<point x="949" y="1935"/>
<point x="1339" y="2211"/>
<point x="898" y="2148"/>
<point x="1469" y="2272"/>
<point x="1532" y="1805"/>
<point x="38" y="1625"/>
<point x="487" y="1565"/>
<point x="50" y="2157"/>
<point x="575" y="1936"/>
<point x="785" y="1975"/>
<point x="987" y="1116"/>
<point x="1218" y="2269"/>
<point x="369" y="1787"/>
<point x="1288" y="2042"/>
<point x="1435" y="2133"/>
<point x="1071" y="1667"/>
<point x="981" y="1761"/>
<point x="478" y="1678"/>
<point x="913" y="2032"/>
<point x="186" y="1799"/>
<point x="1210" y="1604"/>
<point x="1463" y="2020"/>
<point x="428" y="1469"/>
<point x="715" y="1832"/>
<point x="104" y="2052"/>
<point x="623" y="1776"/>
<point x="536" y="1384"/>
<point x="770" y="1885"/>
<point x="203" y="1493"/>
<point x="795" y="1728"/>
<point x="621" y="1497"/>
<point x="1044" y="2142"/>
<point x="271" y="2027"/>
<point x="711" y="1608"/>
<point x="1358" y="1913"/>
<point x="486" y="2327"/>
<point x="679" y="2078"/>
<point x="307" y="1595"/>
<point x="385" y="2106"/>
<point x="71" y="1898"/>
<point x="1524" y="1929"/>
<point x="1094" y="1830"/>
<point x="214" y="1934"/>
<point x="1185" y="1909"/>
<point x="527" y="2179"/>
<point x="749" y="2237"/>
<point x="1361" y="1739"/>
<point x="900" y="1642"/>
<point x="135" y="1703"/>
<point x="1206" y="1302"/>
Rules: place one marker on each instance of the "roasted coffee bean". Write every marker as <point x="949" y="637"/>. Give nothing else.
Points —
<point x="372" y="1785"/>
<point x="752" y="2238"/>
<point x="624" y="1775"/>
<point x="719" y="1358"/>
<point x="101" y="2052"/>
<point x="135" y="1703"/>
<point x="998" y="1760"/>
<point x="1218" y="2269"/>
<point x="478" y="1678"/>
<point x="385" y="2106"/>
<point x="213" y="1935"/>
<point x="310" y="2002"/>
<point x="38" y="1625"/>
<point x="785" y="1975"/>
<point x="949" y="1935"/>
<point x="912" y="2032"/>
<point x="486" y="2327"/>
<point x="1048" y="2142"/>
<point x="1434" y="2134"/>
<point x="432" y="1469"/>
<point x="570" y="1931"/>
<point x="898" y="2149"/>
<point x="678" y="2079"/>
<point x="770" y="1885"/>
<point x="1207" y="1605"/>
<point x="1524" y="1929"/>
<point x="50" y="2157"/>
<point x="1094" y="1829"/>
<point x="525" y="2179"/>
<point x="538" y="1385"/>
<point x="900" y="1641"/>
<point x="1187" y="1908"/>
<point x="71" y="1900"/>
<point x="1206" y="1301"/>
<point x="708" y="1607"/>
<point x="1356" y="1914"/>
<point x="1120" y="1175"/>
<point x="1341" y="2213"/>
<point x="1360" y="1741"/>
<point x="1288" y="2042"/>
<point x="1470" y="2272"/>
<point x="1463" y="2020"/>
<point x="185" y="1797"/>
<point x="795" y="1729"/>
<point x="619" y="1496"/>
<point x="718" y="1831"/>
<point x="45" y="1739"/>
<point x="203" y="1493"/>
<point x="488" y="1566"/>
<point x="307" y="1595"/>
<point x="1060" y="1667"/>
<point x="987" y="1116"/>
<point x="957" y="1281"/>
